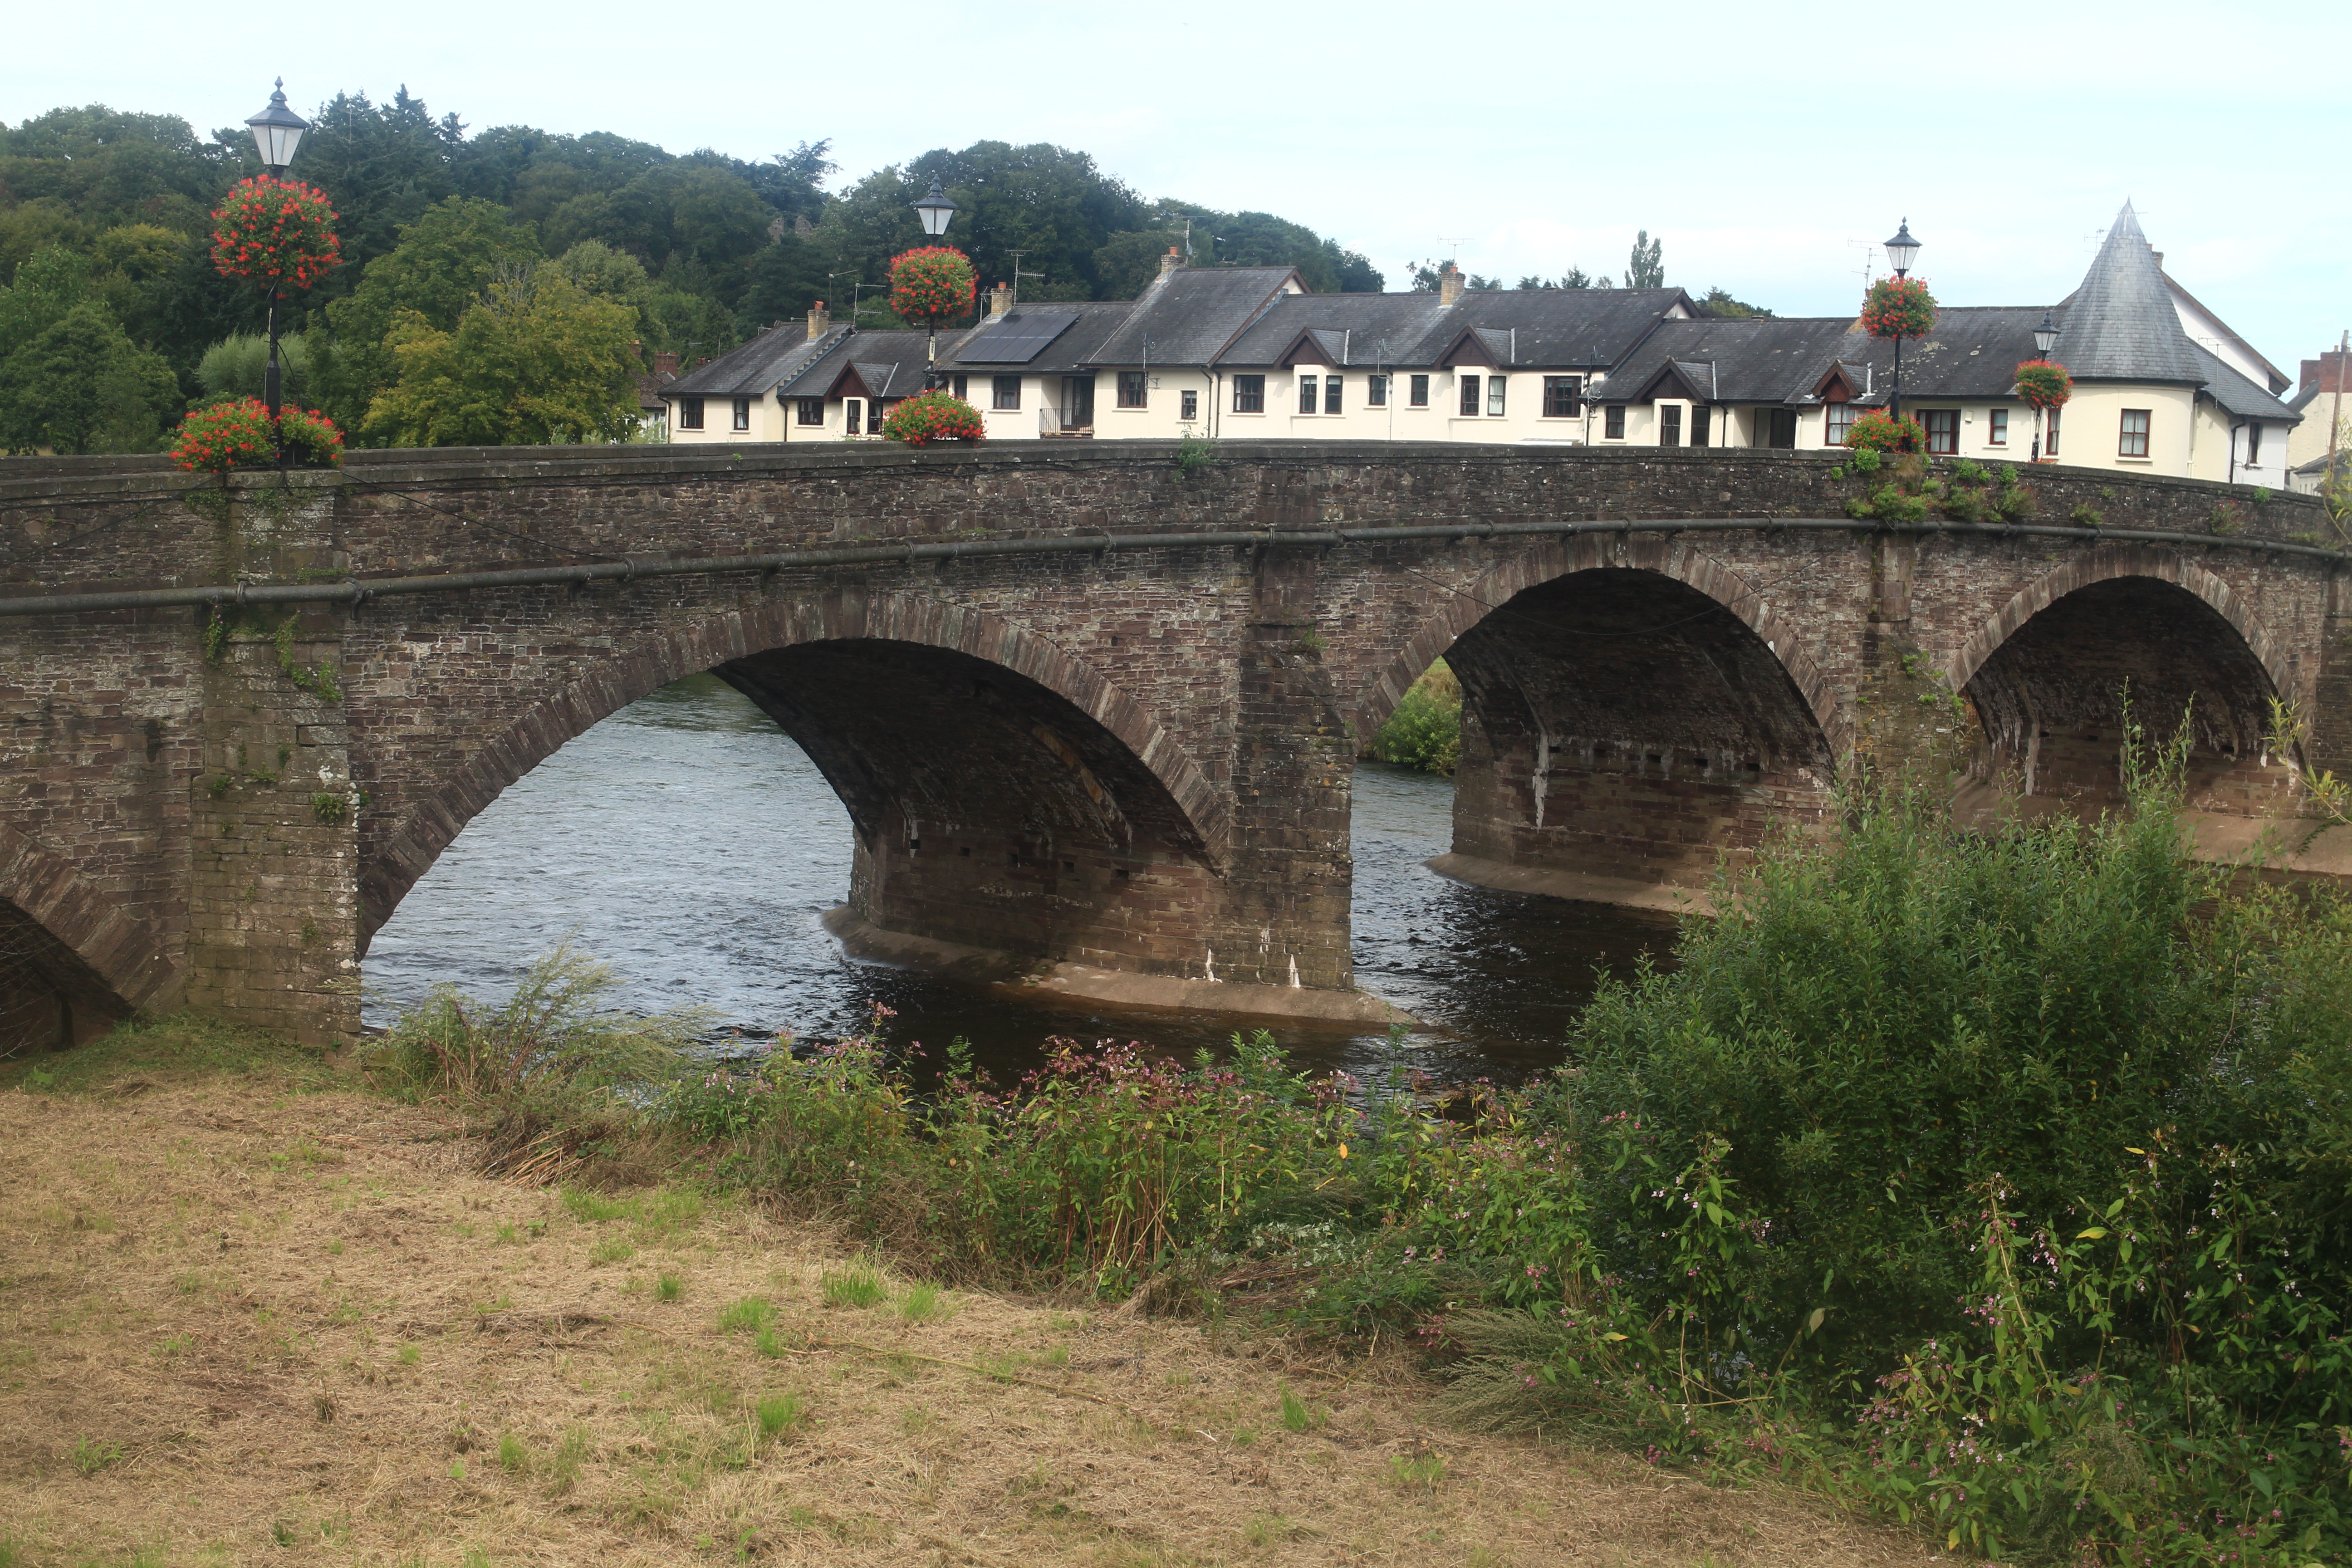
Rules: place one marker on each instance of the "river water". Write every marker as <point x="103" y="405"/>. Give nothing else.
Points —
<point x="686" y="842"/>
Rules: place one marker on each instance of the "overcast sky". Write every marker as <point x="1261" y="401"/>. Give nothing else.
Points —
<point x="1770" y="146"/>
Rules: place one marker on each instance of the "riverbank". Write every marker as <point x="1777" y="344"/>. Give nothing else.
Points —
<point x="250" y="1310"/>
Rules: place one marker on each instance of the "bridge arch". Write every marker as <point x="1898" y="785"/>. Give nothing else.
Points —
<point x="2048" y="671"/>
<point x="71" y="962"/>
<point x="1091" y="795"/>
<point x="1461" y="610"/>
<point x="1631" y="713"/>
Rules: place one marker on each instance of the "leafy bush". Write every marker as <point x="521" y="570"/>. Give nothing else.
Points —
<point x="1879" y="431"/>
<point x="1426" y="731"/>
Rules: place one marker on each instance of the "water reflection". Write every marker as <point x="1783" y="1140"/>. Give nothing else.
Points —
<point x="693" y="847"/>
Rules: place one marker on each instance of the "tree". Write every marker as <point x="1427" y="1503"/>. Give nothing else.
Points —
<point x="1646" y="269"/>
<point x="781" y="283"/>
<point x="235" y="366"/>
<point x="1718" y="303"/>
<point x="79" y="386"/>
<point x="382" y="167"/>
<point x="539" y="360"/>
<point x="443" y="263"/>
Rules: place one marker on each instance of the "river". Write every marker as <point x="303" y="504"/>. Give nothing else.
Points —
<point x="686" y="842"/>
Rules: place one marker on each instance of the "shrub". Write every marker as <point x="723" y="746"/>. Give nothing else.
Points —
<point x="931" y="416"/>
<point x="1426" y="731"/>
<point x="551" y="1039"/>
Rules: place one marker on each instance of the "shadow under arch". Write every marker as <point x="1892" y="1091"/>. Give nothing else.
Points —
<point x="1048" y="787"/>
<point x="1630" y="714"/>
<point x="2048" y="673"/>
<point x="71" y="963"/>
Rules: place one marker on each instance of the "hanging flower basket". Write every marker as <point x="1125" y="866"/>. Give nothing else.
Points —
<point x="932" y="283"/>
<point x="276" y="231"/>
<point x="2043" y="385"/>
<point x="1879" y="431"/>
<point x="1898" y="307"/>
<point x="235" y="435"/>
<point x="931" y="416"/>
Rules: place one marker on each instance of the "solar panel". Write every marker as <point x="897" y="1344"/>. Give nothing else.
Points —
<point x="1017" y="339"/>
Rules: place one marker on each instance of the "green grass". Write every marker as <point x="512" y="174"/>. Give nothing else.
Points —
<point x="612" y="1249"/>
<point x="857" y="1285"/>
<point x="514" y="1456"/>
<point x="668" y="1287"/>
<point x="1297" y="1416"/>
<point x="751" y="1315"/>
<point x="782" y="1415"/>
<point x="91" y="1454"/>
<point x="410" y="1355"/>
<point x="921" y="1303"/>
<point x="1421" y="1473"/>
<point x="179" y="1048"/>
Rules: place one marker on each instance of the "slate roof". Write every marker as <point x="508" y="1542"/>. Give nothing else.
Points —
<point x="2239" y="395"/>
<point x="1566" y="328"/>
<point x="779" y="354"/>
<point x="1074" y="348"/>
<point x="1192" y="315"/>
<point x="1973" y="351"/>
<point x="1353" y="328"/>
<point x="1759" y="359"/>
<point x="2121" y="325"/>
<point x="890" y="363"/>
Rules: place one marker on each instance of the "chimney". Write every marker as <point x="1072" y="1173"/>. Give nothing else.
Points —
<point x="1170" y="262"/>
<point x="1449" y="285"/>
<point x="665" y="365"/>
<point x="2326" y="372"/>
<point x="820" y="320"/>
<point x="2160" y="258"/>
<point x="1000" y="302"/>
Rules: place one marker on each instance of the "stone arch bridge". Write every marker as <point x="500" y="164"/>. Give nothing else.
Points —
<point x="1088" y="708"/>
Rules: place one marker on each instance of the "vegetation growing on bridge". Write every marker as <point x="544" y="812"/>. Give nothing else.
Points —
<point x="1426" y="731"/>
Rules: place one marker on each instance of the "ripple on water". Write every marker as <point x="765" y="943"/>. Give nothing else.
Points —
<point x="690" y="845"/>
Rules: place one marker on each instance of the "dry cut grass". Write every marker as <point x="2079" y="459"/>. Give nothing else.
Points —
<point x="244" y="1321"/>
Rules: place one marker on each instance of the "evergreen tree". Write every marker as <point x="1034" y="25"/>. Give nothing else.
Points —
<point x="1646" y="269"/>
<point x="79" y="386"/>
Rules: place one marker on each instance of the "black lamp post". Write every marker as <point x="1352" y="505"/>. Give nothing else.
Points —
<point x="2045" y="338"/>
<point x="935" y="210"/>
<point x="277" y="131"/>
<point x="1901" y="252"/>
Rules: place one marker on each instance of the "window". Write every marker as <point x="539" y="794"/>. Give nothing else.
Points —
<point x="1006" y="392"/>
<point x="1560" y="396"/>
<point x="1612" y="421"/>
<point x="2133" y="443"/>
<point x="1943" y="431"/>
<point x="2049" y="448"/>
<point x="1469" y="393"/>
<point x="1131" y="389"/>
<point x="1670" y="423"/>
<point x="1702" y="426"/>
<point x="2253" y="445"/>
<point x="1416" y="389"/>
<point x="1996" y="428"/>
<point x="808" y="410"/>
<point x="853" y="415"/>
<point x="742" y="414"/>
<point x="1190" y="409"/>
<point x="1840" y="420"/>
<point x="1376" y="392"/>
<point x="1331" y="393"/>
<point x="1309" y="399"/>
<point x="1776" y="427"/>
<point x="690" y="413"/>
<point x="1494" y="396"/>
<point x="1249" y="394"/>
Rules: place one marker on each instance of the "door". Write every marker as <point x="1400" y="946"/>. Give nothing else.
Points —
<point x="1078" y="403"/>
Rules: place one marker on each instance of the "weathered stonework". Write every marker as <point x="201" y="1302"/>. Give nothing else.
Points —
<point x="1134" y="760"/>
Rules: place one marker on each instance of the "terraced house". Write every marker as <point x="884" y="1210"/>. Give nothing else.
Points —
<point x="2162" y="385"/>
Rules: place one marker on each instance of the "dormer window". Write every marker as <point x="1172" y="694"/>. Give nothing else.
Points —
<point x="1840" y="420"/>
<point x="1469" y="396"/>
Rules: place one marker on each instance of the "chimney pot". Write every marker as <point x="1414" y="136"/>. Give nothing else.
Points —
<point x="1170" y="262"/>
<point x="1449" y="285"/>
<point x="820" y="320"/>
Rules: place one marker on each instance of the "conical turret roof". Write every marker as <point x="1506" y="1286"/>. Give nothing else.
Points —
<point x="2121" y="325"/>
